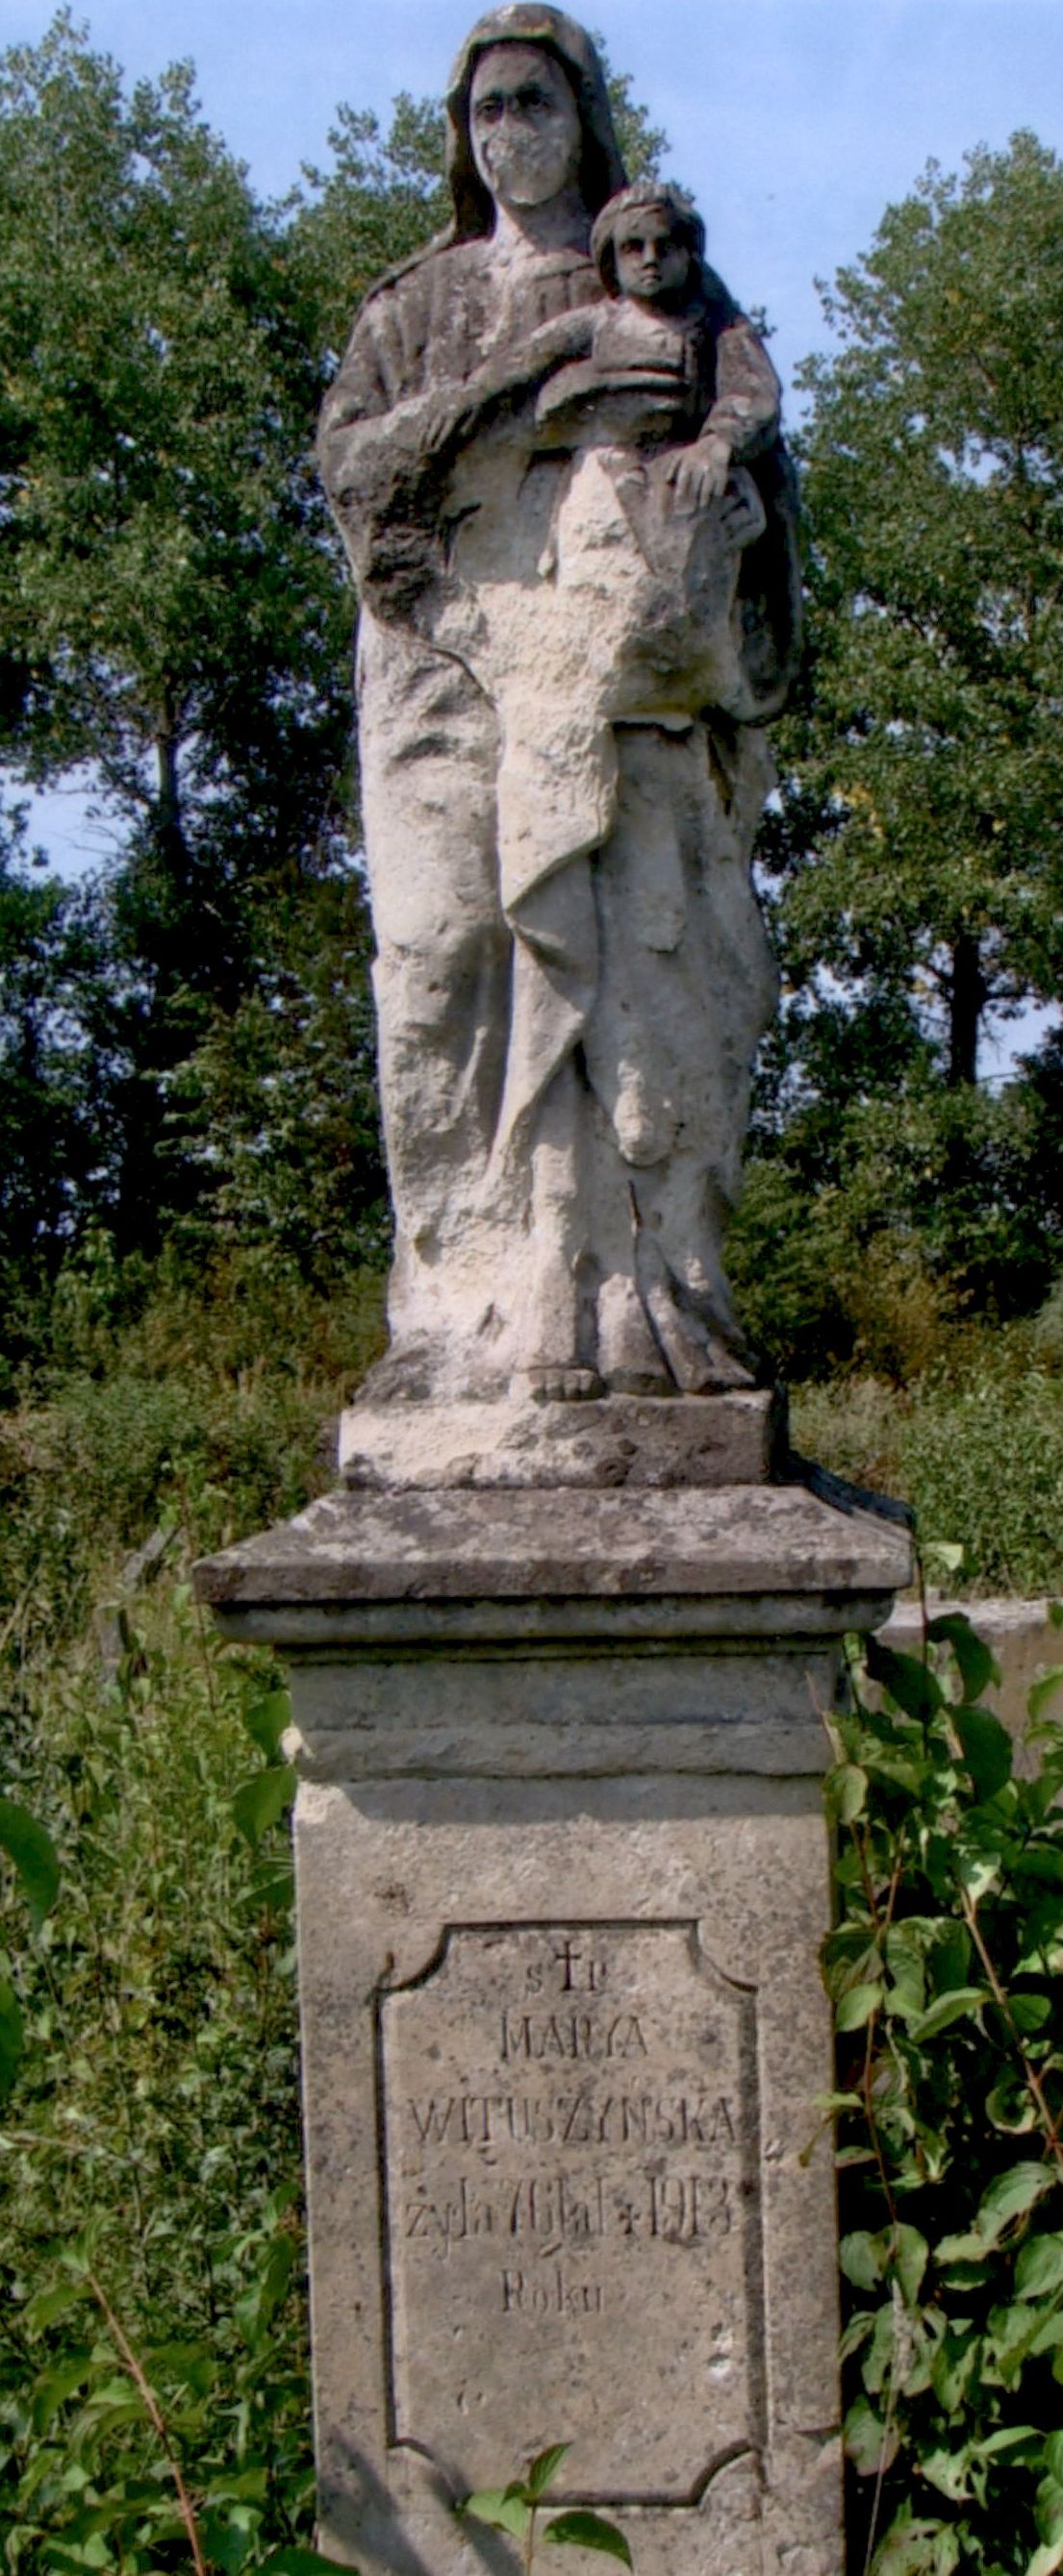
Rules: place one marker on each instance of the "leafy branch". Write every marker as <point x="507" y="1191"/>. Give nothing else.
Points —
<point x="515" y="2508"/>
<point x="944" y="1971"/>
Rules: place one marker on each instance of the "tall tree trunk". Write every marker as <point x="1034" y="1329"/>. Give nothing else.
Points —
<point x="168" y="801"/>
<point x="967" y="999"/>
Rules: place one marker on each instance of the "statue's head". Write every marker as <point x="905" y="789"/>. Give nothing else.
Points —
<point x="649" y="242"/>
<point x="528" y="117"/>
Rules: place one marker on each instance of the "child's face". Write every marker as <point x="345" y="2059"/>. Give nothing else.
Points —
<point x="652" y="263"/>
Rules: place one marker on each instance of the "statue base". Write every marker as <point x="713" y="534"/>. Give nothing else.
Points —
<point x="609" y="1441"/>
<point x="563" y="1875"/>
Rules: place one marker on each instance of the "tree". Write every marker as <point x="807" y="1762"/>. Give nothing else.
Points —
<point x="922" y="856"/>
<point x="170" y="605"/>
<point x="52" y="1157"/>
<point x="913" y="867"/>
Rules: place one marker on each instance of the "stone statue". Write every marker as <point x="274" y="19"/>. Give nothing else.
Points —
<point x="552" y="448"/>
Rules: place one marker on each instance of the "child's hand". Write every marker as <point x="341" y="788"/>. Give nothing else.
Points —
<point x="699" y="473"/>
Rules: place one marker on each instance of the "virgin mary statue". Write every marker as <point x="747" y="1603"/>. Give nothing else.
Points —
<point x="563" y="669"/>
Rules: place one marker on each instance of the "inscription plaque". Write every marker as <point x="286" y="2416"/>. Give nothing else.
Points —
<point x="570" y="2151"/>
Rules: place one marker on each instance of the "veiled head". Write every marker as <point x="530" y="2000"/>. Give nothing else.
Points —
<point x="523" y="23"/>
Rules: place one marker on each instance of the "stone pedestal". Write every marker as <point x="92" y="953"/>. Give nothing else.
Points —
<point x="563" y="1876"/>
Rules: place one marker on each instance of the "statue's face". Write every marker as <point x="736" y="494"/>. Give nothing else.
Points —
<point x="524" y="123"/>
<point x="652" y="265"/>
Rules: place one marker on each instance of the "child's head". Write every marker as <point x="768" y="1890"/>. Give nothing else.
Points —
<point x="649" y="242"/>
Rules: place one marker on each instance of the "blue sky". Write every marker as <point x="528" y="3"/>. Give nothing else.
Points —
<point x="794" y="122"/>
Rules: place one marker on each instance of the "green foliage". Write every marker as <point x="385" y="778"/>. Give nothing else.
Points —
<point x="194" y="1414"/>
<point x="154" y="2388"/>
<point x="924" y="862"/>
<point x="873" y="1222"/>
<point x="154" y="2377"/>
<point x="944" y="1970"/>
<point x="175" y="623"/>
<point x="275" y="1112"/>
<point x="911" y="865"/>
<point x="515" y="2509"/>
<point x="976" y="1446"/>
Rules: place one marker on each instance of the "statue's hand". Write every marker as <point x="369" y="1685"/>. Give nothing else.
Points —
<point x="449" y="417"/>
<point x="699" y="474"/>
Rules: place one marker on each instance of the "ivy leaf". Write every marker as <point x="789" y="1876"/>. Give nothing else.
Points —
<point x="948" y="2471"/>
<point x="1009" y="2106"/>
<point x="1038" y="2267"/>
<point x="917" y="2548"/>
<point x="845" y="1789"/>
<point x="863" y="2258"/>
<point x="1030" y="2012"/>
<point x="907" y="1966"/>
<point x="1009" y="2196"/>
<point x="910" y="2255"/>
<point x="1049" y="2511"/>
<point x="580" y="2530"/>
<point x="977" y="1870"/>
<point x="48" y="2305"/>
<point x="1045" y="2561"/>
<point x="33" y="1853"/>
<point x="255" y="2309"/>
<point x="952" y="2370"/>
<point x="950" y="1956"/>
<point x="543" y="2470"/>
<point x="62" y="2380"/>
<point x="500" y="2507"/>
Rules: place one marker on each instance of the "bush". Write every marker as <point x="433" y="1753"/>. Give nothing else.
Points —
<point x="215" y="1415"/>
<point x="978" y="1453"/>
<point x="944" y="1971"/>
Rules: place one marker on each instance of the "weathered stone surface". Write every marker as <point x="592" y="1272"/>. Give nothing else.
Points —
<point x="562" y="1878"/>
<point x="546" y="1708"/>
<point x="627" y="1441"/>
<point x="546" y="2210"/>
<point x="433" y="1547"/>
<point x="555" y="462"/>
<point x="572" y="2147"/>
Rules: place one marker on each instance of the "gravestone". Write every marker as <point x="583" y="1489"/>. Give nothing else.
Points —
<point x="562" y="1641"/>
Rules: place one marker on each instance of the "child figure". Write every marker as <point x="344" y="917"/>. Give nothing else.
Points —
<point x="670" y="314"/>
<point x="676" y="395"/>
